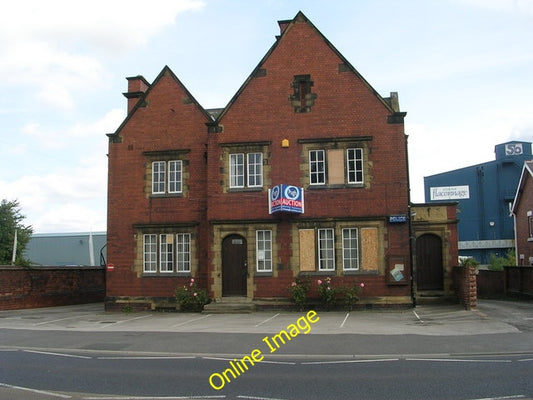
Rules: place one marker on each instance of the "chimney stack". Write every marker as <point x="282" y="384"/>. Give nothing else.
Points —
<point x="137" y="86"/>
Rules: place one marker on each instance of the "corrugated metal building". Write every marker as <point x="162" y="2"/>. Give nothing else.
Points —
<point x="484" y="193"/>
<point x="55" y="249"/>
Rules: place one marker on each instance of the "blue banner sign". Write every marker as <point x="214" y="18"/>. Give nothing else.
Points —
<point x="286" y="198"/>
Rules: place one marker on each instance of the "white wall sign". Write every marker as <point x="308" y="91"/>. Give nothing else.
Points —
<point x="449" y="193"/>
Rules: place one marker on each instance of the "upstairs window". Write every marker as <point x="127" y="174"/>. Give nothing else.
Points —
<point x="336" y="167"/>
<point x="167" y="177"/>
<point x="246" y="170"/>
<point x="354" y="165"/>
<point x="317" y="167"/>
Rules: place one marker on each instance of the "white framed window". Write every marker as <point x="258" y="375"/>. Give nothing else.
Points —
<point x="158" y="177"/>
<point x="354" y="165"/>
<point x="326" y="250"/>
<point x="263" y="250"/>
<point x="245" y="171"/>
<point x="183" y="252"/>
<point x="174" y="176"/>
<point x="255" y="169"/>
<point x="150" y="253"/>
<point x="166" y="253"/>
<point x="167" y="180"/>
<point x="350" y="249"/>
<point x="317" y="167"/>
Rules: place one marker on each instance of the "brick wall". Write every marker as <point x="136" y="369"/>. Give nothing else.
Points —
<point x="464" y="282"/>
<point x="50" y="286"/>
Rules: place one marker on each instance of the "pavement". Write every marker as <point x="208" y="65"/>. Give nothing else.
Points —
<point x="490" y="317"/>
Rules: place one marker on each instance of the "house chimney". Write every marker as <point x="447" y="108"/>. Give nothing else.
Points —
<point x="137" y="86"/>
<point x="283" y="25"/>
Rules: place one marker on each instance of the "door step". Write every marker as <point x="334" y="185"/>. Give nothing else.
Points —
<point x="230" y="305"/>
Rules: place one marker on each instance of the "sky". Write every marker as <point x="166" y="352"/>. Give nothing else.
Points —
<point x="463" y="70"/>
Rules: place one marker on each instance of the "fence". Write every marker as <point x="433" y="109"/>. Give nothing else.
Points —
<point x="512" y="281"/>
<point x="32" y="287"/>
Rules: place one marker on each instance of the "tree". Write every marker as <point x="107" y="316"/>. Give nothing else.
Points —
<point x="11" y="221"/>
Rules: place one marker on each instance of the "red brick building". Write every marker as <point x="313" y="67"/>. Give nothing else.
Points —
<point x="189" y="188"/>
<point x="523" y="216"/>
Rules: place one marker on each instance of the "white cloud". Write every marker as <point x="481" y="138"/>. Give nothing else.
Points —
<point x="61" y="46"/>
<point x="521" y="8"/>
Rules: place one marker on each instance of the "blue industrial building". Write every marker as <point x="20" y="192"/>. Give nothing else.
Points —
<point x="484" y="193"/>
<point x="67" y="249"/>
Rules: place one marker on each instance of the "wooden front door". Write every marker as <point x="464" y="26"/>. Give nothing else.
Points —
<point x="429" y="269"/>
<point x="234" y="266"/>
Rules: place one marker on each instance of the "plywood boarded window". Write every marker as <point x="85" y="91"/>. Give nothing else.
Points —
<point x="335" y="158"/>
<point x="369" y="250"/>
<point x="307" y="249"/>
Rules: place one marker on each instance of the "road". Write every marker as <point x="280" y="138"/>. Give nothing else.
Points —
<point x="110" y="375"/>
<point x="435" y="352"/>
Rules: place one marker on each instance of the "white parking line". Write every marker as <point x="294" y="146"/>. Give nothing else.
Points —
<point x="266" y="320"/>
<point x="344" y="321"/>
<point x="62" y="396"/>
<point x="457" y="360"/>
<point x="191" y="320"/>
<point x="55" y="320"/>
<point x="153" y="398"/>
<point x="146" y="358"/>
<point x="350" y="361"/>
<point x="132" y="319"/>
<point x="257" y="398"/>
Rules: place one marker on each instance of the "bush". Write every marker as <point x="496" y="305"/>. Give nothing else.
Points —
<point x="327" y="293"/>
<point x="298" y="291"/>
<point x="191" y="298"/>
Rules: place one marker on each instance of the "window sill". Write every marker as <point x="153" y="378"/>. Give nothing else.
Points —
<point x="339" y="186"/>
<point x="166" y="195"/>
<point x="263" y="274"/>
<point x="166" y="275"/>
<point x="240" y="190"/>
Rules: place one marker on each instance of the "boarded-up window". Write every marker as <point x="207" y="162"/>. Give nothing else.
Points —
<point x="307" y="249"/>
<point x="369" y="249"/>
<point x="335" y="160"/>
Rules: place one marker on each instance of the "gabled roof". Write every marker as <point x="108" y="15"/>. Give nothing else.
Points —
<point x="286" y="26"/>
<point x="141" y="102"/>
<point x="527" y="171"/>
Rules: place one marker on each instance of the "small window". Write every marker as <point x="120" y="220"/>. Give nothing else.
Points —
<point x="326" y="250"/>
<point x="255" y="169"/>
<point x="263" y="251"/>
<point x="530" y="223"/>
<point x="174" y="176"/>
<point x="350" y="249"/>
<point x="150" y="253"/>
<point x="317" y="167"/>
<point x="158" y="177"/>
<point x="183" y="252"/>
<point x="354" y="165"/>
<point x="166" y="251"/>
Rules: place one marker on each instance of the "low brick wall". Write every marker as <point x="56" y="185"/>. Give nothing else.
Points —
<point x="35" y="287"/>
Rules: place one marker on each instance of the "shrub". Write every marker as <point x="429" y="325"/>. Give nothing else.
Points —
<point x="191" y="298"/>
<point x="326" y="292"/>
<point x="298" y="291"/>
<point x="350" y="295"/>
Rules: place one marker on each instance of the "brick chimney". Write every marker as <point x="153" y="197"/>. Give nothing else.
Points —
<point x="137" y="86"/>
